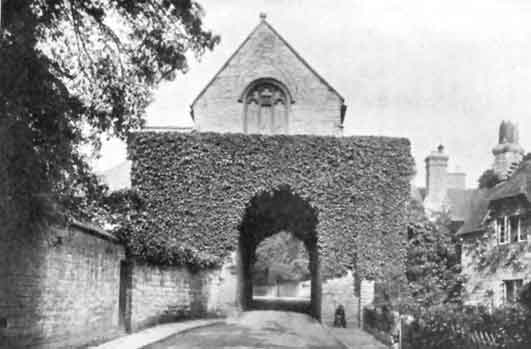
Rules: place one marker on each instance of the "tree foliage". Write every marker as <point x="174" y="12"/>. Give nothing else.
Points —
<point x="284" y="255"/>
<point x="73" y="70"/>
<point x="433" y="263"/>
<point x="488" y="179"/>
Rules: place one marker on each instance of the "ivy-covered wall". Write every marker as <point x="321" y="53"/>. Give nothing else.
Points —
<point x="196" y="187"/>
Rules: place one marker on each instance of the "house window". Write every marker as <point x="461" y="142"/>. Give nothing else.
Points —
<point x="508" y="229"/>
<point x="514" y="228"/>
<point x="511" y="289"/>
<point x="501" y="230"/>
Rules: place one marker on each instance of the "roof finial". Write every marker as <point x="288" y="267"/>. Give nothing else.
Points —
<point x="263" y="16"/>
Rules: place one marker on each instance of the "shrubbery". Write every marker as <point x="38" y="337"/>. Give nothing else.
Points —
<point x="454" y="326"/>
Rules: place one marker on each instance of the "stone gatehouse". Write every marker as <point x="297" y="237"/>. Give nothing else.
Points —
<point x="268" y="126"/>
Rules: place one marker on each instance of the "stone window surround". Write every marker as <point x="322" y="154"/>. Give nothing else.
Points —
<point x="513" y="286"/>
<point x="265" y="81"/>
<point x="502" y="226"/>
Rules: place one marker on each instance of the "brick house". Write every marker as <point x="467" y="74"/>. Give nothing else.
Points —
<point x="496" y="256"/>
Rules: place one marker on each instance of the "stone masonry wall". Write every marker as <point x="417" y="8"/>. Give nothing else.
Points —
<point x="484" y="276"/>
<point x="59" y="289"/>
<point x="338" y="291"/>
<point x="163" y="294"/>
<point x="159" y="294"/>
<point x="316" y="108"/>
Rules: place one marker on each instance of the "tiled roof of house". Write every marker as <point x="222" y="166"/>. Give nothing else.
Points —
<point x="519" y="184"/>
<point x="476" y="209"/>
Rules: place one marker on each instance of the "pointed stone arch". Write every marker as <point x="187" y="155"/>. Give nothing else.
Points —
<point x="266" y="107"/>
<point x="266" y="214"/>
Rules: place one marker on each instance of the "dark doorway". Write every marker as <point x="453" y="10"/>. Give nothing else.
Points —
<point x="267" y="214"/>
<point x="122" y="300"/>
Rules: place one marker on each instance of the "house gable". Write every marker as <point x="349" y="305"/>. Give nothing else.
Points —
<point x="316" y="107"/>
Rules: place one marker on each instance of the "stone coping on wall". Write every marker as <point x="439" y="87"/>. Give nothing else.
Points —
<point x="95" y="231"/>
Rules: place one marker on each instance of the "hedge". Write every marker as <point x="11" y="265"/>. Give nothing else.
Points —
<point x="196" y="187"/>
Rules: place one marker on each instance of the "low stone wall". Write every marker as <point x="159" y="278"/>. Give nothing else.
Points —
<point x="163" y="294"/>
<point x="59" y="289"/>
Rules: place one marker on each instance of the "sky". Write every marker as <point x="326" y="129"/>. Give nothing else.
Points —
<point x="434" y="71"/>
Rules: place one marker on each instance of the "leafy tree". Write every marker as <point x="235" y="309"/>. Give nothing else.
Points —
<point x="488" y="179"/>
<point x="283" y="252"/>
<point x="73" y="70"/>
<point x="433" y="265"/>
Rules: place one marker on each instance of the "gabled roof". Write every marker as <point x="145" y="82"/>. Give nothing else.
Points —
<point x="264" y="22"/>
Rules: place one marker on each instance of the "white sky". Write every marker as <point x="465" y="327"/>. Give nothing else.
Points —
<point x="434" y="71"/>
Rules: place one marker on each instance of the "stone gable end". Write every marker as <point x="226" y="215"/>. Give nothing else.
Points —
<point x="264" y="54"/>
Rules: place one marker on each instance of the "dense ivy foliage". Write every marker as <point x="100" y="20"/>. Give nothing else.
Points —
<point x="126" y="213"/>
<point x="196" y="188"/>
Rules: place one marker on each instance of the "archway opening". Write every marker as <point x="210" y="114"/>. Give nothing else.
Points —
<point x="281" y="270"/>
<point x="285" y="215"/>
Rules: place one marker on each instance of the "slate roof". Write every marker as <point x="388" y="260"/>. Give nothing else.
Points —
<point x="263" y="22"/>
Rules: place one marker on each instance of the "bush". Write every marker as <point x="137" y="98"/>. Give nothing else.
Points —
<point x="452" y="327"/>
<point x="525" y="296"/>
<point x="379" y="317"/>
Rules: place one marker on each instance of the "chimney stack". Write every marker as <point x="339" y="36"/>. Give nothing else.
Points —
<point x="508" y="151"/>
<point x="436" y="179"/>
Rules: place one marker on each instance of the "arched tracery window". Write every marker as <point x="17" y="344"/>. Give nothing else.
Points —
<point x="266" y="108"/>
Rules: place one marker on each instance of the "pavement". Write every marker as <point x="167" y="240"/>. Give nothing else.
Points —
<point x="253" y="329"/>
<point x="154" y="334"/>
<point x="356" y="338"/>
